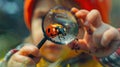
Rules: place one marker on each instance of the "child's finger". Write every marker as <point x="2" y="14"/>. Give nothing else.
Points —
<point x="92" y="21"/>
<point x="93" y="18"/>
<point x="80" y="14"/>
<point x="29" y="50"/>
<point x="109" y="43"/>
<point x="108" y="36"/>
<point x="74" y="10"/>
<point x="83" y="44"/>
<point x="23" y="60"/>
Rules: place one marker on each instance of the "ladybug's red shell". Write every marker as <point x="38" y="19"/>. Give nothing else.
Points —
<point x="52" y="31"/>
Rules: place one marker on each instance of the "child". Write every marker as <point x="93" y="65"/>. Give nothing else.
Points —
<point x="98" y="43"/>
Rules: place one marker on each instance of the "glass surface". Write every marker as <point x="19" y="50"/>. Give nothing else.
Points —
<point x="60" y="25"/>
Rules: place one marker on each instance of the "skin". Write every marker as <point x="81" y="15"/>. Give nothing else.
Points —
<point x="52" y="52"/>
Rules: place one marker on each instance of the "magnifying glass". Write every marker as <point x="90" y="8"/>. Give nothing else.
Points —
<point x="59" y="26"/>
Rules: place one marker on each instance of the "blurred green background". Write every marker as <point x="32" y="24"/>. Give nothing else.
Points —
<point x="115" y="13"/>
<point x="12" y="27"/>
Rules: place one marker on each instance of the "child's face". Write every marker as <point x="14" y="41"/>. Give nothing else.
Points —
<point x="49" y="50"/>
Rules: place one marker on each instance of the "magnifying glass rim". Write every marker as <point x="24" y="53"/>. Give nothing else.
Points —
<point x="48" y="38"/>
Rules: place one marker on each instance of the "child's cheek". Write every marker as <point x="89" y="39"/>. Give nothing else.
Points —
<point x="36" y="31"/>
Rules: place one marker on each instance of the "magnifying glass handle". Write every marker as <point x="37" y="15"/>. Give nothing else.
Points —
<point x="41" y="43"/>
<point x="39" y="46"/>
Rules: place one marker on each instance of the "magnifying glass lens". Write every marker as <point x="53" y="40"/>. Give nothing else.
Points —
<point x="60" y="26"/>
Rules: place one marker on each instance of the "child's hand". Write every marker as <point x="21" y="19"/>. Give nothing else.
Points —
<point x="100" y="39"/>
<point x="21" y="59"/>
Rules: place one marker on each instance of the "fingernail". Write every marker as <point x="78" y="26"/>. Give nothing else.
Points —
<point x="86" y="23"/>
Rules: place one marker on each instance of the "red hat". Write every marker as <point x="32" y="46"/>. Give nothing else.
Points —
<point x="28" y="11"/>
<point x="102" y="5"/>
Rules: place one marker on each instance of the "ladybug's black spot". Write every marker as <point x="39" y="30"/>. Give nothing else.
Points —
<point x="56" y="28"/>
<point x="48" y="30"/>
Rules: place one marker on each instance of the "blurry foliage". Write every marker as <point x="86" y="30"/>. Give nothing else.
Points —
<point x="11" y="18"/>
<point x="12" y="27"/>
<point x="115" y="13"/>
<point x="8" y="40"/>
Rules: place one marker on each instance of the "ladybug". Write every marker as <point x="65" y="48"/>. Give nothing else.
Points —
<point x="54" y="30"/>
